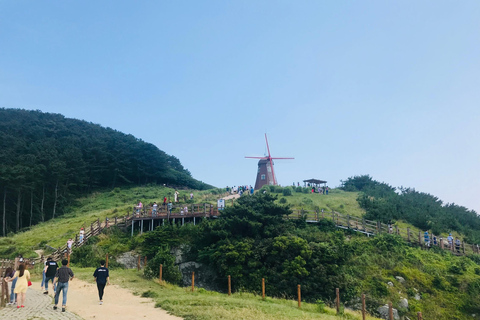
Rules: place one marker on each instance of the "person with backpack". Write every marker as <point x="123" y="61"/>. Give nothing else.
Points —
<point x="102" y="278"/>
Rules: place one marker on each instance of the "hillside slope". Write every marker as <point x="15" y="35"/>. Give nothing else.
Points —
<point x="45" y="159"/>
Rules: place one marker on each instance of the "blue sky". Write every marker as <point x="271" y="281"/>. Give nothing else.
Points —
<point x="386" y="88"/>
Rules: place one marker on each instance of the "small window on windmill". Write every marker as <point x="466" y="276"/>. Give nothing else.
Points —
<point x="269" y="169"/>
<point x="262" y="177"/>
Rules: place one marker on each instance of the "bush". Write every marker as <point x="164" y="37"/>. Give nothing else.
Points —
<point x="282" y="200"/>
<point x="299" y="189"/>
<point x="170" y="272"/>
<point x="287" y="191"/>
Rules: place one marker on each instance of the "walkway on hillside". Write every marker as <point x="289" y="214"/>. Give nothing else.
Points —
<point x="82" y="303"/>
<point x="37" y="306"/>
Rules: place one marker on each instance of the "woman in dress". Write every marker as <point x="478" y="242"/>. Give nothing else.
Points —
<point x="22" y="277"/>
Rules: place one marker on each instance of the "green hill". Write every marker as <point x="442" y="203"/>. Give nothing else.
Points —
<point x="250" y="242"/>
<point x="46" y="160"/>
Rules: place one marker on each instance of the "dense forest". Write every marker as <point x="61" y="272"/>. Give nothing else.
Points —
<point x="46" y="159"/>
<point x="385" y="203"/>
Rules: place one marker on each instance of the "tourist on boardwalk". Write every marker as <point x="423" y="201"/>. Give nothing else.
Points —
<point x="164" y="201"/>
<point x="9" y="273"/>
<point x="457" y="245"/>
<point x="22" y="276"/>
<point x="154" y="208"/>
<point x="102" y="279"/>
<point x="175" y="195"/>
<point x="191" y="196"/>
<point x="50" y="271"/>
<point x="61" y="277"/>
<point x="426" y="238"/>
<point x="326" y="190"/>
<point x="69" y="245"/>
<point x="80" y="237"/>
<point x="169" y="208"/>
<point x="450" y="240"/>
<point x="139" y="207"/>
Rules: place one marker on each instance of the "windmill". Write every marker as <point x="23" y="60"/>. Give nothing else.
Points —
<point x="265" y="173"/>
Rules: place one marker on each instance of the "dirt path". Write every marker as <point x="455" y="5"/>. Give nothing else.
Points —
<point x="118" y="303"/>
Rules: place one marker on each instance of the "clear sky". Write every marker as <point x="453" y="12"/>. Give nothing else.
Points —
<point x="386" y="88"/>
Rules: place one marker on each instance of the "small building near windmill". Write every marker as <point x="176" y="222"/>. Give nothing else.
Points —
<point x="314" y="182"/>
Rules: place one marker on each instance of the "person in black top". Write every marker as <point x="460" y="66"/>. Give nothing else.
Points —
<point x="63" y="275"/>
<point x="102" y="278"/>
<point x="50" y="271"/>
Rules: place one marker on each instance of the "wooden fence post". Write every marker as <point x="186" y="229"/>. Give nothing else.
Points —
<point x="160" y="274"/>
<point x="193" y="281"/>
<point x="337" y="302"/>
<point x="299" y="293"/>
<point x="229" y="285"/>
<point x="263" y="288"/>
<point x="106" y="261"/>
<point x="441" y="243"/>
<point x="138" y="264"/>
<point x="68" y="257"/>
<point x="2" y="299"/>
<point x="364" y="316"/>
<point x="420" y="238"/>
<point x="145" y="262"/>
<point x="348" y="221"/>
<point x="390" y="311"/>
<point x="419" y="315"/>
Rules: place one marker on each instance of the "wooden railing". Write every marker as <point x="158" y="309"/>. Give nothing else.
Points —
<point x="372" y="228"/>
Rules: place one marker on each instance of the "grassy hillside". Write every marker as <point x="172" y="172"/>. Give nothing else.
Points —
<point x="446" y="286"/>
<point x="84" y="211"/>
<point x="337" y="200"/>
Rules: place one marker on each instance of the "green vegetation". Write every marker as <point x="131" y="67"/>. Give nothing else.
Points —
<point x="251" y="241"/>
<point x="426" y="212"/>
<point x="98" y="205"/>
<point x="47" y="159"/>
<point x="301" y="198"/>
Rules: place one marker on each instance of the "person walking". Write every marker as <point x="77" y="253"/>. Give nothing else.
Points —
<point x="102" y="278"/>
<point x="62" y="276"/>
<point x="9" y="273"/>
<point x="81" y="235"/>
<point x="50" y="271"/>
<point x="23" y="277"/>
<point x="69" y="246"/>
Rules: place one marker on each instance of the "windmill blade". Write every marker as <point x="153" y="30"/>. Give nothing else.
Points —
<point x="283" y="158"/>
<point x="257" y="157"/>
<point x="268" y="149"/>
<point x="273" y="172"/>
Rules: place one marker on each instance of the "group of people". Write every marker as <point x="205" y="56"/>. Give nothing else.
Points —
<point x="320" y="190"/>
<point x="240" y="189"/>
<point x="59" y="276"/>
<point x="450" y="241"/>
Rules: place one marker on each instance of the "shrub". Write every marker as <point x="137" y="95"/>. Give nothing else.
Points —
<point x="287" y="191"/>
<point x="283" y="200"/>
<point x="299" y="189"/>
<point x="170" y="270"/>
<point x="149" y="294"/>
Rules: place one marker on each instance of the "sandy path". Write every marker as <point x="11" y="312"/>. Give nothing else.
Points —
<point x="118" y="303"/>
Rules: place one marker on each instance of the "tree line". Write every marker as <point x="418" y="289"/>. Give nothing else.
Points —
<point x="387" y="204"/>
<point x="47" y="159"/>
